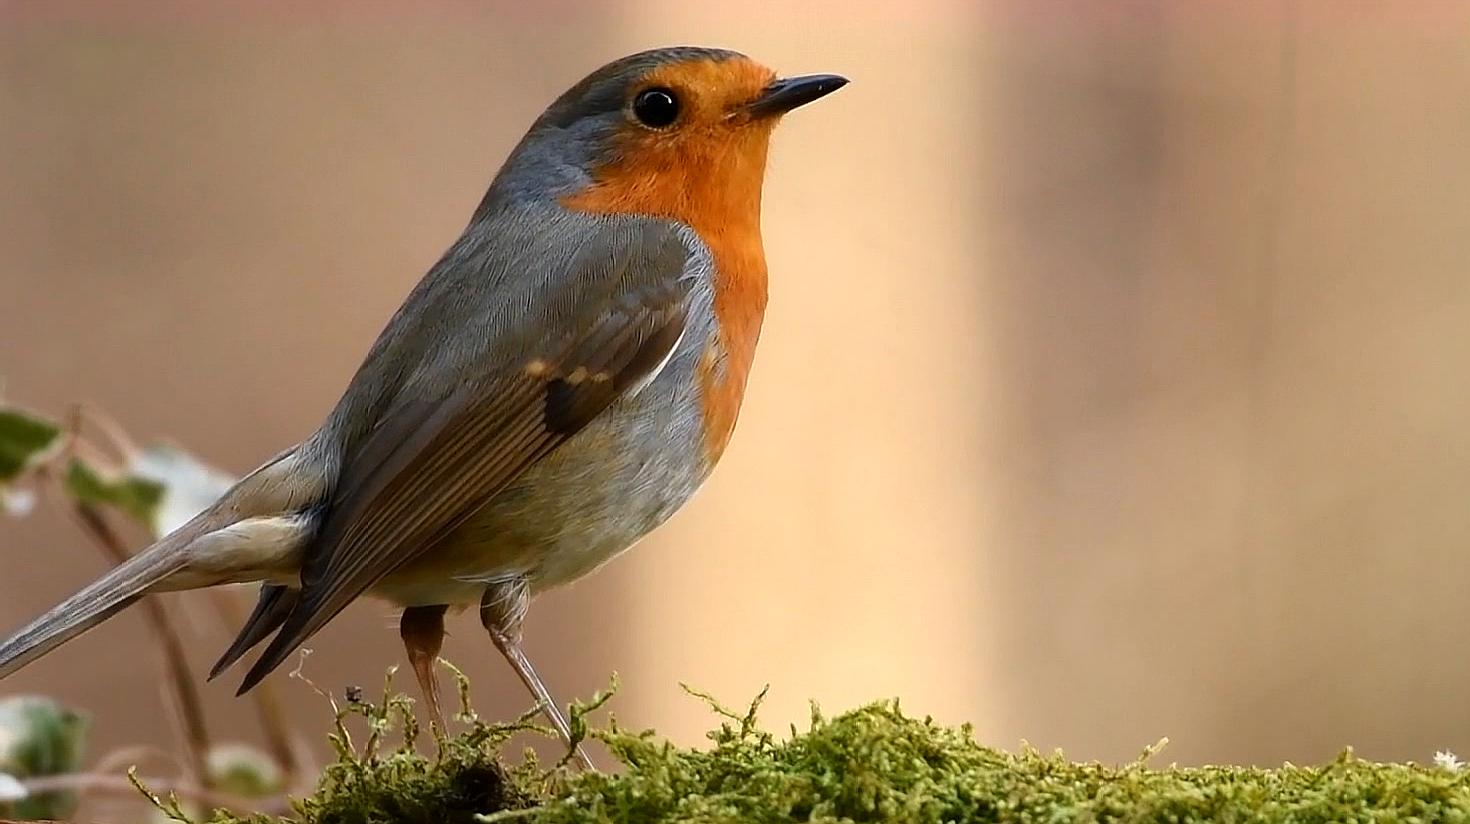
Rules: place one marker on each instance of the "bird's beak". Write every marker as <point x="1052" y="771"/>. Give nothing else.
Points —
<point x="789" y="92"/>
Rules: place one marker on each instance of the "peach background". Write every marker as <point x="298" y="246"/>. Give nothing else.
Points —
<point x="1114" y="384"/>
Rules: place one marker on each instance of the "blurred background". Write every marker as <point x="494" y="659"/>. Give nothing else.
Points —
<point x="1114" y="383"/>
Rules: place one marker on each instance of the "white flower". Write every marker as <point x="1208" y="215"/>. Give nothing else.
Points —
<point x="11" y="789"/>
<point x="17" y="502"/>
<point x="189" y="485"/>
<point x="1446" y="760"/>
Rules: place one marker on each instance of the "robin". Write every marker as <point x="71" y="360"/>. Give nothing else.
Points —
<point x="561" y="381"/>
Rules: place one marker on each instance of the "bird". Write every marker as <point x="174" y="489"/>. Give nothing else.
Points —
<point x="561" y="381"/>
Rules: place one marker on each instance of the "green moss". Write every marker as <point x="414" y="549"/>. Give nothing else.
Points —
<point x="869" y="765"/>
<point x="371" y="782"/>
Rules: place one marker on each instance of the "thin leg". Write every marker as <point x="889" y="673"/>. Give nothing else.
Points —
<point x="422" y="629"/>
<point x="501" y="611"/>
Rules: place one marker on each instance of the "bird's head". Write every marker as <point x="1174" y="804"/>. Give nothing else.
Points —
<point x="672" y="132"/>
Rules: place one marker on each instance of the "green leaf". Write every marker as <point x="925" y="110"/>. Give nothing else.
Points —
<point x="39" y="737"/>
<point x="161" y="486"/>
<point x="25" y="440"/>
<point x="138" y="497"/>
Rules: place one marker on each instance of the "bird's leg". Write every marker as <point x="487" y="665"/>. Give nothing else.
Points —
<point x="502" y="611"/>
<point x="422" y="629"/>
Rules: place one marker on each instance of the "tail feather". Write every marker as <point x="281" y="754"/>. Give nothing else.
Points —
<point x="270" y="612"/>
<point x="97" y="602"/>
<point x="244" y="536"/>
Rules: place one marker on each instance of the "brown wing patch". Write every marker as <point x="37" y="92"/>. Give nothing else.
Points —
<point x="574" y="396"/>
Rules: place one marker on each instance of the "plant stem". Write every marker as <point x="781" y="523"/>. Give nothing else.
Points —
<point x="267" y="703"/>
<point x="190" y="709"/>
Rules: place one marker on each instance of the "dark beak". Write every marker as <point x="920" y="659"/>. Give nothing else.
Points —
<point x="787" y="93"/>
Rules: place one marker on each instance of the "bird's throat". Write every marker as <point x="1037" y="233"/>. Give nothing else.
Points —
<point x="718" y="195"/>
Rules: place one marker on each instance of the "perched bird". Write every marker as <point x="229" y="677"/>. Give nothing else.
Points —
<point x="560" y="382"/>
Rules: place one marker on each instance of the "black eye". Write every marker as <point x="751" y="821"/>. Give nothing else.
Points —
<point x="656" y="108"/>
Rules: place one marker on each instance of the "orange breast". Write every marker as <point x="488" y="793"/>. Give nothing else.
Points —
<point x="739" y="299"/>
<point x="712" y="183"/>
<point x="740" y="305"/>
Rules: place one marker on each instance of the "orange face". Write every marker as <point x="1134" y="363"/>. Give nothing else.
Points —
<point x="692" y="148"/>
<point x="705" y="166"/>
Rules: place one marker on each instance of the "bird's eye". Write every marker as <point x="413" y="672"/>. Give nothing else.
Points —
<point x="656" y="108"/>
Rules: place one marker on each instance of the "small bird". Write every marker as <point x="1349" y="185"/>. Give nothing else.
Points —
<point x="561" y="381"/>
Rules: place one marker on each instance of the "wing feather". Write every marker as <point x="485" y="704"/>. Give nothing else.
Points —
<point x="431" y="463"/>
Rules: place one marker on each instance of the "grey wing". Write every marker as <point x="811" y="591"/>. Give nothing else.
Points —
<point x="433" y="461"/>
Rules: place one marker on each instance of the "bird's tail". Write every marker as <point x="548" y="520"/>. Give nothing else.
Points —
<point x="255" y="531"/>
<point x="97" y="602"/>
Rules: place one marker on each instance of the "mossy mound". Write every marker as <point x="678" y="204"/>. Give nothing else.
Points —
<point x="873" y="764"/>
